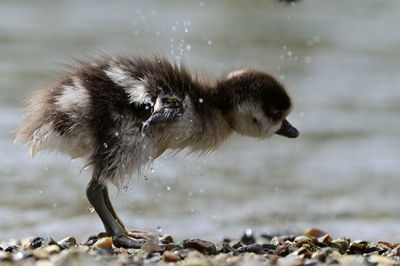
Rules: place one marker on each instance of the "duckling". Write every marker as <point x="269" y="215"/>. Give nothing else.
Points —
<point x="121" y="113"/>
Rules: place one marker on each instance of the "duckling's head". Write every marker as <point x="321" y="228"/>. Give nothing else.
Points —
<point x="255" y="104"/>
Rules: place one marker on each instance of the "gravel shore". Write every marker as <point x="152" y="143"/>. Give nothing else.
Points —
<point x="313" y="247"/>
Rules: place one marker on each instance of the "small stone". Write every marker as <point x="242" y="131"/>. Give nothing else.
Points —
<point x="40" y="241"/>
<point x="91" y="240"/>
<point x="282" y="250"/>
<point x="5" y="256"/>
<point x="40" y="254"/>
<point x="152" y="259"/>
<point x="305" y="242"/>
<point x="104" y="243"/>
<point x="237" y="245"/>
<point x="205" y="247"/>
<point x="342" y="244"/>
<point x="266" y="247"/>
<point x="102" y="235"/>
<point x="302" y="238"/>
<point x="26" y="242"/>
<point x="314" y="233"/>
<point x="151" y="247"/>
<point x="9" y="249"/>
<point x="390" y="245"/>
<point x="166" y="239"/>
<point x="322" y="254"/>
<point x="357" y="248"/>
<point x="326" y="239"/>
<point x="52" y="249"/>
<point x="227" y="248"/>
<point x="395" y="251"/>
<point x="67" y="242"/>
<point x="255" y="248"/>
<point x="305" y="250"/>
<point x="169" y="256"/>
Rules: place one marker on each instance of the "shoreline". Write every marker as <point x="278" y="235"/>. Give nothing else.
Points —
<point x="314" y="247"/>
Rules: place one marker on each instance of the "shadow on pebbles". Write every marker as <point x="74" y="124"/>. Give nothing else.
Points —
<point x="313" y="247"/>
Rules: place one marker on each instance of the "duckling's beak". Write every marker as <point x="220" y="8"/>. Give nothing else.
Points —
<point x="288" y="130"/>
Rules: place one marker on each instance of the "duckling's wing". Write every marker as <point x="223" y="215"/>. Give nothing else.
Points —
<point x="166" y="109"/>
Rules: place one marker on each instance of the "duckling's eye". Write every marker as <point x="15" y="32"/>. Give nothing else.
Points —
<point x="277" y="115"/>
<point x="255" y="120"/>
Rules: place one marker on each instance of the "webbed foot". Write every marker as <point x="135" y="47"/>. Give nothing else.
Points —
<point x="124" y="241"/>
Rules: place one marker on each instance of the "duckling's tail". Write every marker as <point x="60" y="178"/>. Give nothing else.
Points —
<point x="32" y="130"/>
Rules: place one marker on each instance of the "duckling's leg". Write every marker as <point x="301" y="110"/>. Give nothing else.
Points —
<point x="110" y="207"/>
<point x="95" y="194"/>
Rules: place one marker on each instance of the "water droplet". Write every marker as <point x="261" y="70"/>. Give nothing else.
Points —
<point x="188" y="47"/>
<point x="201" y="4"/>
<point x="151" y="170"/>
<point x="308" y="59"/>
<point x="116" y="134"/>
<point x="209" y="42"/>
<point x="168" y="188"/>
<point x="55" y="204"/>
<point x="201" y="100"/>
<point x="105" y="145"/>
<point x="40" y="191"/>
<point x="289" y="53"/>
<point x="90" y="209"/>
<point x="186" y="30"/>
<point x="46" y="168"/>
<point x="248" y="232"/>
<point x="201" y="190"/>
<point x="284" y="48"/>
<point x="282" y="77"/>
<point x="159" y="229"/>
<point x="173" y="28"/>
<point x="309" y="43"/>
<point x="192" y="210"/>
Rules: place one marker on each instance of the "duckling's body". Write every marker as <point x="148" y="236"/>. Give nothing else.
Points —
<point x="121" y="113"/>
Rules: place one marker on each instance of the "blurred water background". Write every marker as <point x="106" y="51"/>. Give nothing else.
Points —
<point x="339" y="60"/>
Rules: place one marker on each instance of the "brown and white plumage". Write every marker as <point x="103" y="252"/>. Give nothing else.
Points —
<point x="120" y="113"/>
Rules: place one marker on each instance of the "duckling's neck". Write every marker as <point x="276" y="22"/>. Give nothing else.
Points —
<point x="211" y="127"/>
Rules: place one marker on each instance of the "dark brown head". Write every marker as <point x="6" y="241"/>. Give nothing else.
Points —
<point x="255" y="104"/>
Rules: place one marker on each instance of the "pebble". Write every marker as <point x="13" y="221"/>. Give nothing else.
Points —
<point x="166" y="239"/>
<point x="310" y="248"/>
<point x="205" y="247"/>
<point x="169" y="256"/>
<point x="104" y="243"/>
<point x="151" y="247"/>
<point x="67" y="242"/>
